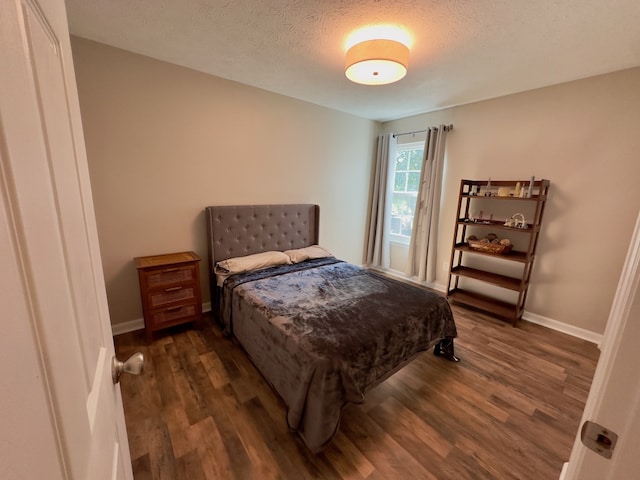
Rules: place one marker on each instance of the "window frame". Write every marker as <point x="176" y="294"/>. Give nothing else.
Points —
<point x="419" y="145"/>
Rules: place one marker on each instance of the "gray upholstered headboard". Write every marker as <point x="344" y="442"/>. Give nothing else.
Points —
<point x="234" y="231"/>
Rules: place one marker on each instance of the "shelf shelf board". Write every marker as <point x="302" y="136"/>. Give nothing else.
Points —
<point x="497" y="307"/>
<point x="503" y="281"/>
<point x="513" y="255"/>
<point x="533" y="198"/>
<point x="497" y="224"/>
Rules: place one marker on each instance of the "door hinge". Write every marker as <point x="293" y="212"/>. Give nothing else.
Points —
<point x="599" y="439"/>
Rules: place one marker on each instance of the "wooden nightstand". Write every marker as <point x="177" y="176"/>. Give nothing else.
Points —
<point x="170" y="290"/>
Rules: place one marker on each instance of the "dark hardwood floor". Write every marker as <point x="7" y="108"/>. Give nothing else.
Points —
<point x="509" y="410"/>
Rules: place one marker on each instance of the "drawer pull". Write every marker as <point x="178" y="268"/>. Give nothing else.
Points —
<point x="168" y="270"/>
<point x="172" y="289"/>
<point x="173" y="309"/>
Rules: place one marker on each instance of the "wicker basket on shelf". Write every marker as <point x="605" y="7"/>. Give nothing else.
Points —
<point x="501" y="247"/>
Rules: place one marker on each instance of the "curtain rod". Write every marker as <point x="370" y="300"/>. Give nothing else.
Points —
<point x="447" y="128"/>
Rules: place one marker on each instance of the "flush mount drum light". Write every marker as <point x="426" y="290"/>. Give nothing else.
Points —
<point x="377" y="62"/>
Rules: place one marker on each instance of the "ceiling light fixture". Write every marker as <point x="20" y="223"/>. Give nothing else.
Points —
<point x="377" y="62"/>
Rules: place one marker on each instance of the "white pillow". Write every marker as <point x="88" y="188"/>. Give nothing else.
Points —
<point x="307" y="253"/>
<point x="256" y="261"/>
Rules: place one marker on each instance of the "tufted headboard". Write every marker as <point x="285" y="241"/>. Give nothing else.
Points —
<point x="234" y="231"/>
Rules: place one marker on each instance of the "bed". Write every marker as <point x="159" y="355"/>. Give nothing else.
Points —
<point x="320" y="330"/>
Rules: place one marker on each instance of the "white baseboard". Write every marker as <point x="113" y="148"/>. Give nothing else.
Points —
<point x="440" y="287"/>
<point x="572" y="330"/>
<point x="138" y="323"/>
<point x="126" y="327"/>
<point x="589" y="336"/>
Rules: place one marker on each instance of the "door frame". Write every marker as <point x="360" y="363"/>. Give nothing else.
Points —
<point x="621" y="326"/>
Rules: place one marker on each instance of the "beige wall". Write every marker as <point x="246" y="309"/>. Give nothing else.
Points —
<point x="583" y="136"/>
<point x="163" y="142"/>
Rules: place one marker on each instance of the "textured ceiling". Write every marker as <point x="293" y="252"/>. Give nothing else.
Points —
<point x="463" y="50"/>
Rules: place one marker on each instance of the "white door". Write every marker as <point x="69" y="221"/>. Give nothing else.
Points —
<point x="61" y="416"/>
<point x="614" y="399"/>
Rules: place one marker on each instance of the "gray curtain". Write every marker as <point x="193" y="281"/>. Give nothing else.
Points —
<point x="424" y="235"/>
<point x="377" y="248"/>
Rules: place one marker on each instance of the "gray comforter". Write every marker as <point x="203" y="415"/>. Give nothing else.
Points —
<point x="324" y="331"/>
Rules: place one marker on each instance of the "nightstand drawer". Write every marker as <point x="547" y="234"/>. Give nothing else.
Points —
<point x="178" y="293"/>
<point x="161" y="277"/>
<point x="174" y="314"/>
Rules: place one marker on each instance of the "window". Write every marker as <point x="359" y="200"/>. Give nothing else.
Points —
<point x="406" y="180"/>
